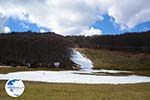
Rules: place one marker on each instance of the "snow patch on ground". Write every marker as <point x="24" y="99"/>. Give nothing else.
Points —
<point x="72" y="77"/>
<point x="110" y="71"/>
<point x="81" y="60"/>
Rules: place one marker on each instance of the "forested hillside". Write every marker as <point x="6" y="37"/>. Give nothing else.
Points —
<point x="130" y="42"/>
<point x="34" y="49"/>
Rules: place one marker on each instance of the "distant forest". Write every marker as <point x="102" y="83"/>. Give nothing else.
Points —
<point x="130" y="42"/>
<point x="45" y="49"/>
<point x="34" y="49"/>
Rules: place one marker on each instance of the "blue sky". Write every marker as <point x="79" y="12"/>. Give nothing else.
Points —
<point x="17" y="25"/>
<point x="106" y="26"/>
<point x="81" y="17"/>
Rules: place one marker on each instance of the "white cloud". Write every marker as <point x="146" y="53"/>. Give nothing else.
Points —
<point x="69" y="17"/>
<point x="63" y="17"/>
<point x="129" y="13"/>
<point x="42" y="31"/>
<point x="7" y="29"/>
<point x="91" y="31"/>
<point x="3" y="20"/>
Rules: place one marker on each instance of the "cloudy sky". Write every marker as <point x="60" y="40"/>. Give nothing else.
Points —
<point x="75" y="17"/>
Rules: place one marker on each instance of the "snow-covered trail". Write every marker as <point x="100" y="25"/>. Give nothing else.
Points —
<point x="82" y="60"/>
<point x="82" y="76"/>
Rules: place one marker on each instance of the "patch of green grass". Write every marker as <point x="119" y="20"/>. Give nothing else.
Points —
<point x="5" y="70"/>
<point x="105" y="59"/>
<point x="117" y="60"/>
<point x="141" y="73"/>
<point x="107" y="74"/>
<point x="46" y="91"/>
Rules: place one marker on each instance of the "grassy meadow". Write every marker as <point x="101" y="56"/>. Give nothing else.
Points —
<point x="46" y="91"/>
<point x="5" y="70"/>
<point x="105" y="59"/>
<point x="102" y="59"/>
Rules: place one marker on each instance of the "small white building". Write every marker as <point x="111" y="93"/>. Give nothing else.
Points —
<point x="57" y="64"/>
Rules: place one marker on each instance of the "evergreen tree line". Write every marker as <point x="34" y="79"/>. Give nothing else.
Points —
<point x="130" y="42"/>
<point x="34" y="49"/>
